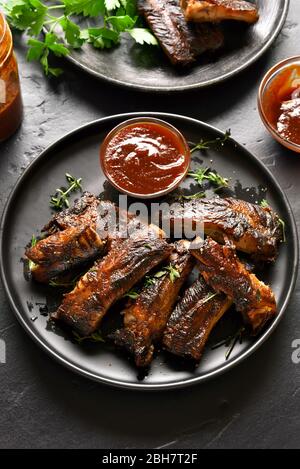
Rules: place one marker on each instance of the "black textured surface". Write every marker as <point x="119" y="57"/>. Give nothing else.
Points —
<point x="256" y="404"/>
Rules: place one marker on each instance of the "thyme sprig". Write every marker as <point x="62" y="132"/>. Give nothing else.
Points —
<point x="31" y="264"/>
<point x="202" y="174"/>
<point x="60" y="199"/>
<point x="95" y="337"/>
<point x="205" y="145"/>
<point x="230" y="342"/>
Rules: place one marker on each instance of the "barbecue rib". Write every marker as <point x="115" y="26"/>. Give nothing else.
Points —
<point x="82" y="233"/>
<point x="223" y="271"/>
<point x="193" y="319"/>
<point x="218" y="10"/>
<point x="109" y="279"/>
<point x="146" y="318"/>
<point x="180" y="41"/>
<point x="252" y="228"/>
<point x="64" y="251"/>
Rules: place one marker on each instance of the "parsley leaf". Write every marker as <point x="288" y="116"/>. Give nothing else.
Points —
<point x="27" y="15"/>
<point x="72" y="32"/>
<point x="34" y="17"/>
<point x="143" y="36"/>
<point x="103" y="37"/>
<point x="121" y="23"/>
<point x="85" y="7"/>
<point x="112" y="4"/>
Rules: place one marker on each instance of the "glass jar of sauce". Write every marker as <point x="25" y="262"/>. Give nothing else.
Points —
<point x="10" y="92"/>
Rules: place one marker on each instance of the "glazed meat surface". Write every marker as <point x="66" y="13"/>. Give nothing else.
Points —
<point x="64" y="251"/>
<point x="82" y="233"/>
<point x="109" y="279"/>
<point x="180" y="41"/>
<point x="253" y="229"/>
<point x="83" y="212"/>
<point x="193" y="319"/>
<point x="146" y="318"/>
<point x="224" y="272"/>
<point x="218" y="10"/>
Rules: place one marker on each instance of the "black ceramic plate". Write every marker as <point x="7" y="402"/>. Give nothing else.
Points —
<point x="28" y="210"/>
<point x="148" y="68"/>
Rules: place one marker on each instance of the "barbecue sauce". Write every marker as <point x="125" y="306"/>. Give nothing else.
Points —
<point x="145" y="158"/>
<point x="282" y="103"/>
<point x="10" y="93"/>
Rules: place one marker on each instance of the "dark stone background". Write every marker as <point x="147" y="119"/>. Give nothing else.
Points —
<point x="44" y="405"/>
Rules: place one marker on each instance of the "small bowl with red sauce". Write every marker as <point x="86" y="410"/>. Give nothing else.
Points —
<point x="145" y="157"/>
<point x="279" y="102"/>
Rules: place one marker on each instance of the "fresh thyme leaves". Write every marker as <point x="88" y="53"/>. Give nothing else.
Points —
<point x="202" y="174"/>
<point x="205" y="145"/>
<point x="237" y="338"/>
<point x="60" y="199"/>
<point x="133" y="294"/>
<point x="173" y="273"/>
<point x="230" y="342"/>
<point x="264" y="203"/>
<point x="95" y="337"/>
<point x="148" y="246"/>
<point x="168" y="270"/>
<point x="282" y="223"/>
<point x="55" y="284"/>
<point x="149" y="281"/>
<point x="31" y="264"/>
<point x="197" y="195"/>
<point x="113" y="18"/>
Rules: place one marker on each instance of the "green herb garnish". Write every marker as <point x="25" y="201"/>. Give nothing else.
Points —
<point x="264" y="203"/>
<point x="149" y="281"/>
<point x="133" y="294"/>
<point x="95" y="337"/>
<point x="33" y="242"/>
<point x="282" y="223"/>
<point x="113" y="18"/>
<point x="230" y="342"/>
<point x="168" y="270"/>
<point x="197" y="195"/>
<point x="202" y="174"/>
<point x="173" y="273"/>
<point x="205" y="145"/>
<point x="60" y="199"/>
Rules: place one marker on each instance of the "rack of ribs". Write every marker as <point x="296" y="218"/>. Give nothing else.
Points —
<point x="193" y="319"/>
<point x="108" y="280"/>
<point x="218" y="10"/>
<point x="182" y="42"/>
<point x="252" y="229"/>
<point x="146" y="318"/>
<point x="224" y="272"/>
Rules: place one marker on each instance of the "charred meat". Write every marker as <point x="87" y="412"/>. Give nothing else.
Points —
<point x="218" y="10"/>
<point x="252" y="229"/>
<point x="193" y="319"/>
<point x="82" y="233"/>
<point x="180" y="41"/>
<point x="109" y="279"/>
<point x="64" y="251"/>
<point x="224" y="272"/>
<point x="146" y="319"/>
